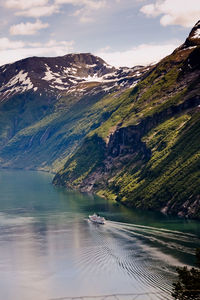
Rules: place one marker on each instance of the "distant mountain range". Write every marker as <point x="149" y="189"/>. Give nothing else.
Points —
<point x="127" y="134"/>
<point x="62" y="76"/>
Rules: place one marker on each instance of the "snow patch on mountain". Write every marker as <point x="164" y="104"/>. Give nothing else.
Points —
<point x="93" y="78"/>
<point x="91" y="66"/>
<point x="19" y="83"/>
<point x="196" y="34"/>
<point x="61" y="76"/>
<point x="22" y="78"/>
<point x="49" y="75"/>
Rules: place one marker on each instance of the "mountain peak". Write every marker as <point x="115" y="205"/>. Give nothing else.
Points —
<point x="63" y="75"/>
<point x="193" y="39"/>
<point x="84" y="58"/>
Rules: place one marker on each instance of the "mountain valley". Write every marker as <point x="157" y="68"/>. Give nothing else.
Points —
<point x="127" y="134"/>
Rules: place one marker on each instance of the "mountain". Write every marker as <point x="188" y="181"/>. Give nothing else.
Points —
<point x="48" y="105"/>
<point x="146" y="153"/>
<point x="61" y="76"/>
<point x="128" y="134"/>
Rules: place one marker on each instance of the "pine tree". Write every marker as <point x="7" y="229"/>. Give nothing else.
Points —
<point x="188" y="285"/>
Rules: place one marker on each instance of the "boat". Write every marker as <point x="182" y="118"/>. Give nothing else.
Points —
<point x="97" y="219"/>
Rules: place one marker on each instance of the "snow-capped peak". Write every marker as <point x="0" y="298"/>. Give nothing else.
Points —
<point x="59" y="76"/>
<point x="196" y="34"/>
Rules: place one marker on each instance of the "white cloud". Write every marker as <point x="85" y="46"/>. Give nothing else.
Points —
<point x="86" y="8"/>
<point x="39" y="11"/>
<point x="93" y="4"/>
<point x="105" y="49"/>
<point x="11" y="51"/>
<point x="143" y="54"/>
<point x="24" y="4"/>
<point x="174" y="12"/>
<point x="32" y="8"/>
<point x="27" y="28"/>
<point x="5" y="43"/>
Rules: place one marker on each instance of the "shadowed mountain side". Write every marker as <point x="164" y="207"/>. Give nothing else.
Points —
<point x="48" y="105"/>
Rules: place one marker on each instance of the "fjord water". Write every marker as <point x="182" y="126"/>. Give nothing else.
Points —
<point x="49" y="250"/>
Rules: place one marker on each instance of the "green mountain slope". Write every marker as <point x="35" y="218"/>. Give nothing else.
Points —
<point x="48" y="105"/>
<point x="43" y="142"/>
<point x="147" y="153"/>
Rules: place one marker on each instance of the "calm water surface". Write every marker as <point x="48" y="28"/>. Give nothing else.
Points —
<point x="49" y="250"/>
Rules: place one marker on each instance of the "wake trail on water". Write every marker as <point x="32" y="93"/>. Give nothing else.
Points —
<point x="170" y="239"/>
<point x="143" y="253"/>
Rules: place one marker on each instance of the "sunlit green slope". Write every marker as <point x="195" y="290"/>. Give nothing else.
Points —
<point x="147" y="153"/>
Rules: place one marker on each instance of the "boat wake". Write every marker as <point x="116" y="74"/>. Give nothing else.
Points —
<point x="146" y="256"/>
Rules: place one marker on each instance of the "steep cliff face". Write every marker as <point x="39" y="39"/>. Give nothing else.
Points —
<point x="48" y="105"/>
<point x="148" y="151"/>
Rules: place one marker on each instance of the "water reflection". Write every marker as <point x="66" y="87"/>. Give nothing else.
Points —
<point x="48" y="249"/>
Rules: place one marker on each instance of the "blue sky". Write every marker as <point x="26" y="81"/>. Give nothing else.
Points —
<point x="123" y="32"/>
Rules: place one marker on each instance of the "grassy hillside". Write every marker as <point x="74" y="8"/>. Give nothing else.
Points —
<point x="48" y="105"/>
<point x="170" y="179"/>
<point x="40" y="133"/>
<point x="147" y="153"/>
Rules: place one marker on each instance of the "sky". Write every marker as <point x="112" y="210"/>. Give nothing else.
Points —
<point x="122" y="32"/>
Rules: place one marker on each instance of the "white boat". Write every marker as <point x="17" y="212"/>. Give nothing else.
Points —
<point x="97" y="219"/>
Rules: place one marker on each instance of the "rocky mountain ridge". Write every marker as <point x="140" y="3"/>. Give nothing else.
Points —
<point x="60" y="76"/>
